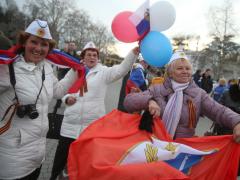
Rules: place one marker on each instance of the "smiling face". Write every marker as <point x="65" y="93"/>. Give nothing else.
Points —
<point x="36" y="49"/>
<point x="91" y="58"/>
<point x="180" y="71"/>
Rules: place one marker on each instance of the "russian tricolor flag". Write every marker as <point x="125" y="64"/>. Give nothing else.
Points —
<point x="136" y="79"/>
<point x="141" y="18"/>
<point x="55" y="57"/>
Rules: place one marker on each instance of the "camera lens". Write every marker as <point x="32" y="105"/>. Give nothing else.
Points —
<point x="33" y="115"/>
<point x="32" y="111"/>
<point x="21" y="111"/>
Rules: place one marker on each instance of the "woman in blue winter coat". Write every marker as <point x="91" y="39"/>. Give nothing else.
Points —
<point x="220" y="89"/>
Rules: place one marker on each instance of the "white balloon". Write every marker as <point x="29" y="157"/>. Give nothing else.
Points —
<point x="162" y="16"/>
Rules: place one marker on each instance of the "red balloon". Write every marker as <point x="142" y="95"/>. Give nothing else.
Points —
<point x="123" y="29"/>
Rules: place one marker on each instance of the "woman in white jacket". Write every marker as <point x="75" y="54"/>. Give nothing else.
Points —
<point x="82" y="110"/>
<point x="23" y="145"/>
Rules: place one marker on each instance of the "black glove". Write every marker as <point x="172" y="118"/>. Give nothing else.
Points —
<point x="146" y="122"/>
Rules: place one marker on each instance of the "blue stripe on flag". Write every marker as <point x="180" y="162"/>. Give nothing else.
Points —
<point x="4" y="56"/>
<point x="55" y="51"/>
<point x="143" y="27"/>
<point x="137" y="77"/>
<point x="184" y="162"/>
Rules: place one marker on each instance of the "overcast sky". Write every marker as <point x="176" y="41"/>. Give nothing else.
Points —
<point x="191" y="16"/>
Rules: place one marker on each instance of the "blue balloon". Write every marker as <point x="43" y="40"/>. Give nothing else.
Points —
<point x="156" y="49"/>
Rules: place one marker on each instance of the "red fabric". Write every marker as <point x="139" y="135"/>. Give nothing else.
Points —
<point x="96" y="153"/>
<point x="129" y="85"/>
<point x="221" y="165"/>
<point x="52" y="56"/>
<point x="10" y="53"/>
<point x="80" y="83"/>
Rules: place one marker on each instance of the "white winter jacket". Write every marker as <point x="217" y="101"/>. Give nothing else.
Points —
<point x="91" y="106"/>
<point x="22" y="147"/>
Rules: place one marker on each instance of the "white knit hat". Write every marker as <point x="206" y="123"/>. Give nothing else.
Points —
<point x="89" y="45"/>
<point x="178" y="55"/>
<point x="39" y="28"/>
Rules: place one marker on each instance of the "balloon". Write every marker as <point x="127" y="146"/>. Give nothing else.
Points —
<point x="123" y="29"/>
<point x="156" y="49"/>
<point x="162" y="16"/>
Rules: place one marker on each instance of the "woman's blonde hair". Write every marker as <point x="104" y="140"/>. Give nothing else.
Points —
<point x="171" y="67"/>
<point x="222" y="81"/>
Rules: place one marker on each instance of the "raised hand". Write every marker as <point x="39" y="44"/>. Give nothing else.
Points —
<point x="71" y="100"/>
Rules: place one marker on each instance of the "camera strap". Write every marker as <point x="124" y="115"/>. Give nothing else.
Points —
<point x="12" y="78"/>
<point x="13" y="81"/>
<point x="43" y="79"/>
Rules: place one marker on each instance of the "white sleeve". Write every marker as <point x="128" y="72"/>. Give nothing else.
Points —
<point x="61" y="87"/>
<point x="114" y="73"/>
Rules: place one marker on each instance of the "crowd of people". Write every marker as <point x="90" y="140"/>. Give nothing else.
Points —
<point x="29" y="84"/>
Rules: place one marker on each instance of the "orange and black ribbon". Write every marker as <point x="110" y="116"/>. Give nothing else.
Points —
<point x="192" y="114"/>
<point x="80" y="84"/>
<point x="8" y="116"/>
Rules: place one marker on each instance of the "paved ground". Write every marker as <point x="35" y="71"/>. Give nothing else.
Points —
<point x="47" y="165"/>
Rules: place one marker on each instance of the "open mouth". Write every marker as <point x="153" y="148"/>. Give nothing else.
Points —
<point x="36" y="55"/>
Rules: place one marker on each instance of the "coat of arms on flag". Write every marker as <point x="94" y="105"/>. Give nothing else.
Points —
<point x="179" y="156"/>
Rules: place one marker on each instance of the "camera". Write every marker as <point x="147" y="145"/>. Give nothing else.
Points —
<point x="29" y="109"/>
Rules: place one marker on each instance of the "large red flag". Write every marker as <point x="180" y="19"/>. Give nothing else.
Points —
<point x="99" y="152"/>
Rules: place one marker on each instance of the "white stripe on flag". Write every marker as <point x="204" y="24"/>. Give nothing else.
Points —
<point x="138" y="15"/>
<point x="159" y="150"/>
<point x="183" y="163"/>
<point x="8" y="58"/>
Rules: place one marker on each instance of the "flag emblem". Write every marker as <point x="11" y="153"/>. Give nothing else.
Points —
<point x="40" y="32"/>
<point x="151" y="153"/>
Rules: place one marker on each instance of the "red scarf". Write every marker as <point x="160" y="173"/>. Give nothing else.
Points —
<point x="57" y="58"/>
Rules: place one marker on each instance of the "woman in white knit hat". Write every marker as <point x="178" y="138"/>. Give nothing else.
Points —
<point x="180" y="102"/>
<point x="26" y="88"/>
